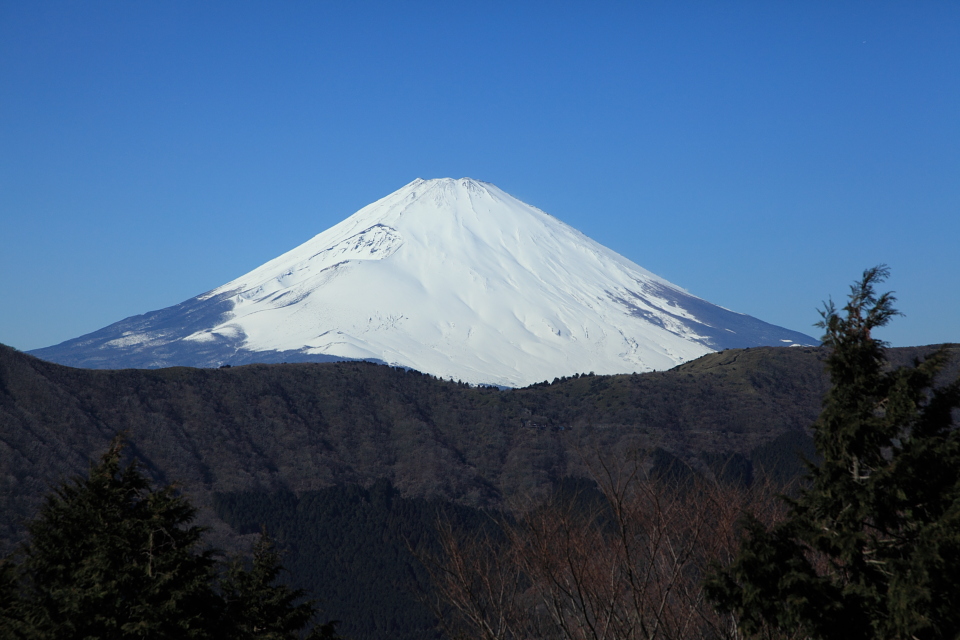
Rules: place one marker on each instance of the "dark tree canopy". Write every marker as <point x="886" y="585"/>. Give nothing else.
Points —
<point x="257" y="606"/>
<point x="111" y="557"/>
<point x="871" y="549"/>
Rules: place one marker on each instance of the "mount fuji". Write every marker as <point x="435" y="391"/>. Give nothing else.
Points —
<point x="450" y="277"/>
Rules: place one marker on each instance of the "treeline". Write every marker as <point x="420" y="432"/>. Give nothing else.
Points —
<point x="868" y="548"/>
<point x="110" y="556"/>
<point x="366" y="553"/>
<point x="647" y="547"/>
<point x="305" y="427"/>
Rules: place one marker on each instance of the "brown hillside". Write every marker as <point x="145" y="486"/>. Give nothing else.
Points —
<point x="306" y="426"/>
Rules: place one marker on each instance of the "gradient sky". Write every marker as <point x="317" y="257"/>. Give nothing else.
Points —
<point x="760" y="155"/>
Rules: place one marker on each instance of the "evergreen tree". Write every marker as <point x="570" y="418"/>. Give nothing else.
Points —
<point x="11" y="626"/>
<point x="260" y="608"/>
<point x="109" y="557"/>
<point x="871" y="549"/>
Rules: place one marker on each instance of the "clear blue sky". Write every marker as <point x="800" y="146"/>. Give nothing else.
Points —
<point x="760" y="155"/>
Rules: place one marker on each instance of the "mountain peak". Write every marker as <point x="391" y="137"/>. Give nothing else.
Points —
<point x="467" y="183"/>
<point x="452" y="277"/>
<point x="446" y="190"/>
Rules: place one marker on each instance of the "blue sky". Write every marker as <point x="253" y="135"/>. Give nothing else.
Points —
<point x="760" y="155"/>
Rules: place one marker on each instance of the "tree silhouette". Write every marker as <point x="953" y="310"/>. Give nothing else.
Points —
<point x="111" y="557"/>
<point x="258" y="607"/>
<point x="871" y="549"/>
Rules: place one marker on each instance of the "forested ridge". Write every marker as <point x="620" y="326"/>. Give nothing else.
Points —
<point x="351" y="466"/>
<point x="304" y="427"/>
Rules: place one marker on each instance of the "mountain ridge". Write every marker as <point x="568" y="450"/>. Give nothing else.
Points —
<point x="302" y="427"/>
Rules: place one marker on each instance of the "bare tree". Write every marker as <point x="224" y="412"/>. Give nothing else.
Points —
<point x="624" y="564"/>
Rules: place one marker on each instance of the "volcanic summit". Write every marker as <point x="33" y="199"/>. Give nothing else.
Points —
<point x="455" y="278"/>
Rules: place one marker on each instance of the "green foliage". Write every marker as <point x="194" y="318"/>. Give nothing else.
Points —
<point x="110" y="557"/>
<point x="871" y="549"/>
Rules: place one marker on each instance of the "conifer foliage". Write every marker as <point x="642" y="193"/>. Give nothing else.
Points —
<point x="871" y="549"/>
<point x="111" y="557"/>
<point x="258" y="607"/>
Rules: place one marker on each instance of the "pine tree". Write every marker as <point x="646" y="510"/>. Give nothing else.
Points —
<point x="109" y="557"/>
<point x="11" y="625"/>
<point x="258" y="607"/>
<point x="871" y="549"/>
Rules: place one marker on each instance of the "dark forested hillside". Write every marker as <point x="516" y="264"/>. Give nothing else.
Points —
<point x="351" y="547"/>
<point x="348" y="463"/>
<point x="304" y="427"/>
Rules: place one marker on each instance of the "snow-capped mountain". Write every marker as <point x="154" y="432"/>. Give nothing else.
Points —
<point x="450" y="277"/>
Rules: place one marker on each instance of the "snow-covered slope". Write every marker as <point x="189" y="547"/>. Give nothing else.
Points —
<point x="450" y="277"/>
